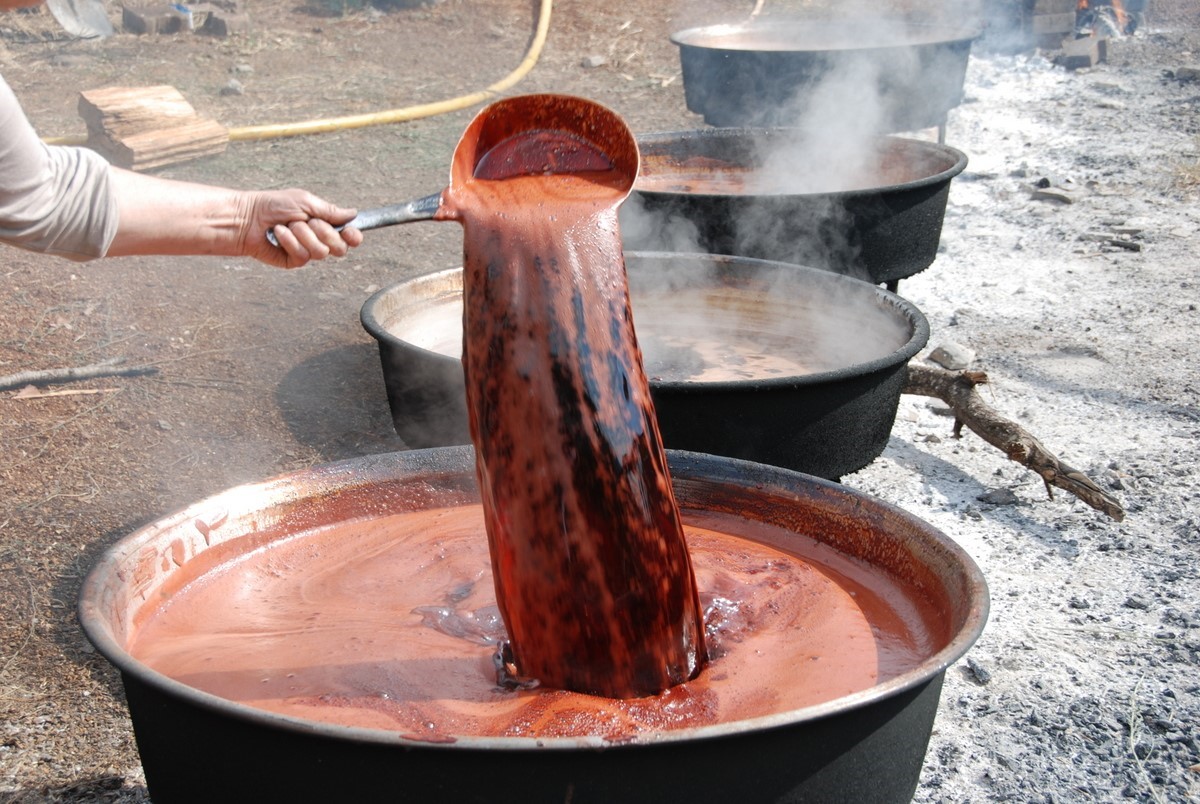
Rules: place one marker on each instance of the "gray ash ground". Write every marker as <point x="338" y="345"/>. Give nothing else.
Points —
<point x="1084" y="685"/>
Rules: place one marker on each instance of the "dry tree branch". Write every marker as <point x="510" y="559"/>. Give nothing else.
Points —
<point x="957" y="389"/>
<point x="105" y="368"/>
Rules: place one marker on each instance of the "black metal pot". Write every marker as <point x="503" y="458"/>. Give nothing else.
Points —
<point x="747" y="192"/>
<point x="893" y="75"/>
<point x="829" y="420"/>
<point x="197" y="747"/>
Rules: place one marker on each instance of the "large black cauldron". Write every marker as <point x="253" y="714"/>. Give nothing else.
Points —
<point x="874" y="212"/>
<point x="778" y="364"/>
<point x="885" y="75"/>
<point x="198" y="747"/>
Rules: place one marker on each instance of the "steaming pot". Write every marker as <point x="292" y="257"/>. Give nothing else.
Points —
<point x="745" y="192"/>
<point x="829" y="419"/>
<point x="895" y="75"/>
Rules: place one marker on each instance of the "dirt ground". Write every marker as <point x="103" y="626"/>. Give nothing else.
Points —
<point x="260" y="371"/>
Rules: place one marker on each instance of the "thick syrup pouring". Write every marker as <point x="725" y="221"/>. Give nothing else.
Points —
<point x="591" y="568"/>
<point x="392" y="622"/>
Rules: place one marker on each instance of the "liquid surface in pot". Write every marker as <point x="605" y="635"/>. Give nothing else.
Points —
<point x="774" y="166"/>
<point x="700" y="175"/>
<point x="391" y="623"/>
<point x="694" y="331"/>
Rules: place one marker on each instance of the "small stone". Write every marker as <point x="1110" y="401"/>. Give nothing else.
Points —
<point x="952" y="355"/>
<point x="68" y="60"/>
<point x="979" y="673"/>
<point x="234" y="87"/>
<point x="591" y="62"/>
<point x="1188" y="73"/>
<point x="1136" y="602"/>
<point x="1060" y="194"/>
<point x="1079" y="603"/>
<point x="998" y="497"/>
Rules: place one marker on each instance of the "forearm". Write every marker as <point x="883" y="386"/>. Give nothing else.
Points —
<point x="160" y="216"/>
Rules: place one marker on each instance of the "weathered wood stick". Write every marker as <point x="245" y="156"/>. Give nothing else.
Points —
<point x="957" y="389"/>
<point x="105" y="368"/>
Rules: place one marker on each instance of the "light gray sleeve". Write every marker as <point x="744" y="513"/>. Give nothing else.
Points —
<point x="53" y="199"/>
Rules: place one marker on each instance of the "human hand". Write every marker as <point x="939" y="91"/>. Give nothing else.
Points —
<point x="303" y="224"/>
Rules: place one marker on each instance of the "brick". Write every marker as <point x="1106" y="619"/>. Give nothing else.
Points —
<point x="158" y="19"/>
<point x="1080" y="54"/>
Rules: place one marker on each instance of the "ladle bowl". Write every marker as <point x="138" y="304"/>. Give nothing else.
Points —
<point x="196" y="746"/>
<point x="519" y="135"/>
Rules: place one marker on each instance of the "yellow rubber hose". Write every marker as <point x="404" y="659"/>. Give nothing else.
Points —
<point x="266" y="132"/>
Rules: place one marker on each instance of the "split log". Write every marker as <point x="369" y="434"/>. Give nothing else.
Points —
<point x="147" y="127"/>
<point x="957" y="389"/>
<point x="128" y="110"/>
<point x="152" y="149"/>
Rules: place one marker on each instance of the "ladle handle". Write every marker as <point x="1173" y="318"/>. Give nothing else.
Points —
<point x="421" y="209"/>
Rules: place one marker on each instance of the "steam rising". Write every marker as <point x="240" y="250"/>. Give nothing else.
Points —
<point x="857" y="76"/>
<point x="699" y="319"/>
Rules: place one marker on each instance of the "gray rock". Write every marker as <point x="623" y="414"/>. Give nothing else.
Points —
<point x="952" y="355"/>
<point x="999" y="497"/>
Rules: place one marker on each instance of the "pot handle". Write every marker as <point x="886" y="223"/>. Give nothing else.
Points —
<point x="421" y="209"/>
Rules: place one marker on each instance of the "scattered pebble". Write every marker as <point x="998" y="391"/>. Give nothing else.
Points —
<point x="952" y="355"/>
<point x="978" y="673"/>
<point x="999" y="497"/>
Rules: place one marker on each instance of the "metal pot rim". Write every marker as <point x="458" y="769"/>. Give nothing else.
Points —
<point x="752" y="132"/>
<point x="917" y="338"/>
<point x="949" y="34"/>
